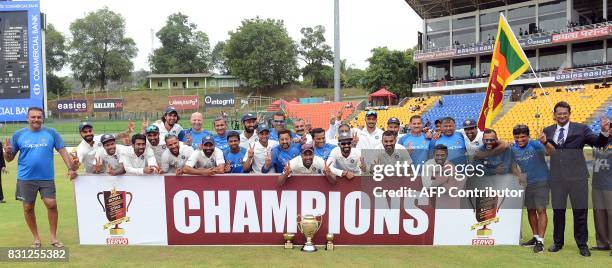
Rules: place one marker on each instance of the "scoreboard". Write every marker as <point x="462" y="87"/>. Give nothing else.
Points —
<point x="14" y="66"/>
<point x="21" y="61"/>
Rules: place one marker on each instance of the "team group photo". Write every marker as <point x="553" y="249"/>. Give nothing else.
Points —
<point x="329" y="133"/>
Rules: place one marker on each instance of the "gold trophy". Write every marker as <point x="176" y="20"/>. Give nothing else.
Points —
<point x="288" y="237"/>
<point x="330" y="245"/>
<point x="309" y="225"/>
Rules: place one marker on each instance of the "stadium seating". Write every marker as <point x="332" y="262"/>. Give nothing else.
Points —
<point x="584" y="103"/>
<point x="318" y="114"/>
<point x="460" y="107"/>
<point x="403" y="113"/>
<point x="595" y="126"/>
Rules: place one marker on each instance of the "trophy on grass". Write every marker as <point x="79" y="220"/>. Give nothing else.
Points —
<point x="288" y="237"/>
<point x="330" y="243"/>
<point x="309" y="225"/>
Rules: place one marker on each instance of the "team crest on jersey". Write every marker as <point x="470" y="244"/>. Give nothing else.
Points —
<point x="163" y="147"/>
<point x="142" y="157"/>
<point x="397" y="156"/>
<point x="99" y="144"/>
<point x="352" y="161"/>
<point x="182" y="157"/>
<point x="477" y="143"/>
<point x="376" y="137"/>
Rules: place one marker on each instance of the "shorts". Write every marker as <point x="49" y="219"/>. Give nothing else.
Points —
<point x="536" y="195"/>
<point x="27" y="190"/>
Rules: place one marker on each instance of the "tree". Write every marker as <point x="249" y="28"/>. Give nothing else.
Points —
<point x="100" y="50"/>
<point x="184" y="49"/>
<point x="218" y="59"/>
<point x="354" y="77"/>
<point x="315" y="54"/>
<point x="393" y="69"/>
<point x="55" y="49"/>
<point x="262" y="54"/>
<point x="56" y="85"/>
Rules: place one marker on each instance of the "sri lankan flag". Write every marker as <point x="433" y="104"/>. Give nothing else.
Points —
<point x="507" y="63"/>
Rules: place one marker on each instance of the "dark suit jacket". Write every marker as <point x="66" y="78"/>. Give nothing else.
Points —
<point x="567" y="162"/>
<point x="2" y="163"/>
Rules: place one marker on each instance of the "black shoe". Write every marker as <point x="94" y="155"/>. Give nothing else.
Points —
<point x="2" y="201"/>
<point x="538" y="247"/>
<point x="584" y="251"/>
<point x="529" y="243"/>
<point x="600" y="248"/>
<point x="555" y="248"/>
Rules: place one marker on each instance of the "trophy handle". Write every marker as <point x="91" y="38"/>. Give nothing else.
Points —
<point x="320" y="222"/>
<point x="98" y="197"/>
<point x="131" y="198"/>
<point x="501" y="203"/>
<point x="299" y="219"/>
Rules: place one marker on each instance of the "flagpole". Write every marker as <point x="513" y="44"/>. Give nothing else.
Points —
<point x="529" y="63"/>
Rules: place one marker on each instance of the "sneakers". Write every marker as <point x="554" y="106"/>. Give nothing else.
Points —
<point x="529" y="243"/>
<point x="538" y="247"/>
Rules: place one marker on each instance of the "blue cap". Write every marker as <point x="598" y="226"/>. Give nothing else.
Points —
<point x="248" y="116"/>
<point x="262" y="127"/>
<point x="84" y="125"/>
<point x="307" y="146"/>
<point x="345" y="135"/>
<point x="394" y="120"/>
<point x="371" y="112"/>
<point x="170" y="109"/>
<point x="152" y="128"/>
<point x="208" y="139"/>
<point x="106" y="137"/>
<point x="469" y="123"/>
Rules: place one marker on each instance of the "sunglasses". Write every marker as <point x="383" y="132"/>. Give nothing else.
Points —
<point x="345" y="143"/>
<point x="279" y="121"/>
<point x="489" y="140"/>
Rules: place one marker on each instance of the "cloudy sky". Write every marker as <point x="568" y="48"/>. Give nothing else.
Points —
<point x="364" y="24"/>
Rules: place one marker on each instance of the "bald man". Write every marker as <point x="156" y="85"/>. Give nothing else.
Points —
<point x="193" y="136"/>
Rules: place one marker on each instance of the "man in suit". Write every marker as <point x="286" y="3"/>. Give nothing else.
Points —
<point x="2" y="170"/>
<point x="569" y="174"/>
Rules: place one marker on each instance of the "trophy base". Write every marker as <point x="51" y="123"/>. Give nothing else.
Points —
<point x="117" y="231"/>
<point x="484" y="232"/>
<point x="329" y="247"/>
<point x="288" y="245"/>
<point x="309" y="248"/>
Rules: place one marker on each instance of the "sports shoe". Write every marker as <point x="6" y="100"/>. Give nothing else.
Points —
<point x="538" y="247"/>
<point x="529" y="243"/>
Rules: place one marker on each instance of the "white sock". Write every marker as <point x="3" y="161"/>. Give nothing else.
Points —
<point x="537" y="237"/>
<point x="541" y="239"/>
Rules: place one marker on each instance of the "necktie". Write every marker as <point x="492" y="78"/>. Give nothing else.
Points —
<point x="561" y="137"/>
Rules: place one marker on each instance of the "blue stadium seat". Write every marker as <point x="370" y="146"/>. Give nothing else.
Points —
<point x="460" y="107"/>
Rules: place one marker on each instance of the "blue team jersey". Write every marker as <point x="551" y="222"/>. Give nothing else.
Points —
<point x="280" y="157"/>
<point x="324" y="151"/>
<point x="456" y="147"/>
<point x="234" y="159"/>
<point x="492" y="162"/>
<point x="420" y="144"/>
<point x="36" y="153"/>
<point x="196" y="137"/>
<point x="274" y="135"/>
<point x="221" y="141"/>
<point x="531" y="159"/>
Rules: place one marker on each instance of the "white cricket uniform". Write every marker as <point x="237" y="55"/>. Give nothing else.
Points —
<point x="135" y="164"/>
<point x="86" y="153"/>
<point x="341" y="163"/>
<point x="369" y="140"/>
<point x="244" y="141"/>
<point x="472" y="146"/>
<point x="170" y="162"/>
<point x="112" y="160"/>
<point x="259" y="156"/>
<point x="199" y="160"/>
<point x="298" y="168"/>
<point x="158" y="150"/>
<point x="400" y="154"/>
<point x="176" y="129"/>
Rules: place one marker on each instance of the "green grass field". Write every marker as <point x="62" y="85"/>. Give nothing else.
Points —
<point x="14" y="233"/>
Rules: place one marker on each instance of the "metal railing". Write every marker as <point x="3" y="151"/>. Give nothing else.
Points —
<point x="524" y="37"/>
